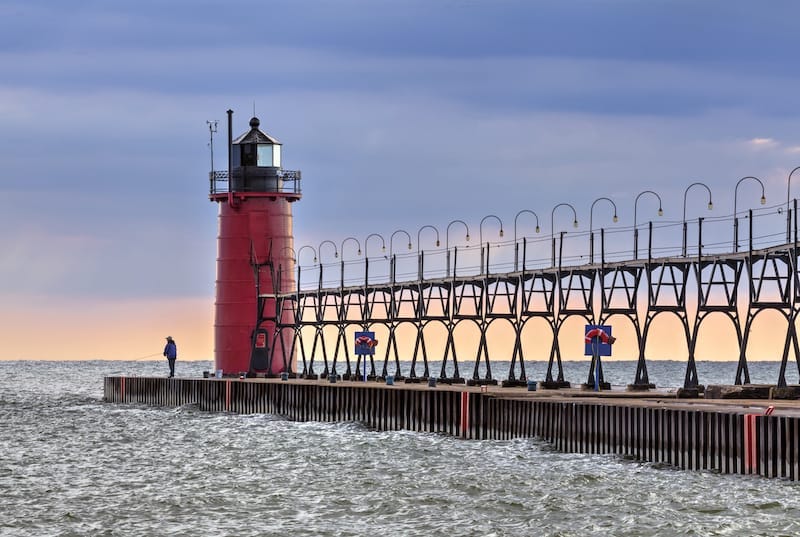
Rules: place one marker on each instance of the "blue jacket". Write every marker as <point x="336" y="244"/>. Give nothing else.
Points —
<point x="171" y="351"/>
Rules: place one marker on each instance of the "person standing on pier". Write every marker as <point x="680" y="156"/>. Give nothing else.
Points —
<point x="171" y="352"/>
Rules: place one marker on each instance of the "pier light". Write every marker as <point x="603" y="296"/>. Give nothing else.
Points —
<point x="480" y="234"/>
<point x="419" y="233"/>
<point x="300" y="251"/>
<point x="735" y="213"/>
<point x="710" y="207"/>
<point x="447" y="241"/>
<point x="319" y="249"/>
<point x="552" y="225"/>
<point x="358" y="245"/>
<point x="591" y="215"/>
<point x="391" y="240"/>
<point x="788" y="212"/>
<point x="366" y="243"/>
<point x="516" y="248"/>
<point x="635" y="229"/>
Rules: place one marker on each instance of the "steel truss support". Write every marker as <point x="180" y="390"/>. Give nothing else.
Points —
<point x="594" y="293"/>
<point x="619" y="290"/>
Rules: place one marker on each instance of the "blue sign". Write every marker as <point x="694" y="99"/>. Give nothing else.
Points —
<point x="597" y="339"/>
<point x="365" y="343"/>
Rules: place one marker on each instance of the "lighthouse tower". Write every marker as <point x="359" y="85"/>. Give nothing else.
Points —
<point x="255" y="197"/>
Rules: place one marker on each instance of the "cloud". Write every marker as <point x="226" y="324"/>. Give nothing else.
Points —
<point x="763" y="143"/>
<point x="484" y="111"/>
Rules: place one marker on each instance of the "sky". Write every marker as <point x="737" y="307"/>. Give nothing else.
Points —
<point x="399" y="114"/>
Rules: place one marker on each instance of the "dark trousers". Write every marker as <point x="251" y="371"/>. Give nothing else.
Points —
<point x="171" y="366"/>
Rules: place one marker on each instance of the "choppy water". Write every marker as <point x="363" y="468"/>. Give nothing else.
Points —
<point x="71" y="465"/>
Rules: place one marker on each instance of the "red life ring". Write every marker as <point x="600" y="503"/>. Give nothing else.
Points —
<point x="596" y="332"/>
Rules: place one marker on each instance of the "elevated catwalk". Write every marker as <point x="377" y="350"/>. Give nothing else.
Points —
<point x="730" y="436"/>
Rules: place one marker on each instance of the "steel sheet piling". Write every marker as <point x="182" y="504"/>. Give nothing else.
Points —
<point x="717" y="439"/>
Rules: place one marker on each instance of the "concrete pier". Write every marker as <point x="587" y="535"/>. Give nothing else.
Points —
<point x="730" y="436"/>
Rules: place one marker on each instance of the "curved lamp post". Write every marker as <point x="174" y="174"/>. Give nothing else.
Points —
<point x="552" y="225"/>
<point x="516" y="249"/>
<point x="366" y="243"/>
<point x="294" y="254"/>
<point x="419" y="243"/>
<point x="635" y="229"/>
<point x="480" y="233"/>
<point x="300" y="251"/>
<point x="447" y="241"/>
<point x="420" y="255"/>
<point x="788" y="212"/>
<point x="297" y="260"/>
<point x="358" y="244"/>
<point x="591" y="233"/>
<point x="391" y="240"/>
<point x="319" y="249"/>
<point x="735" y="215"/>
<point x="710" y="206"/>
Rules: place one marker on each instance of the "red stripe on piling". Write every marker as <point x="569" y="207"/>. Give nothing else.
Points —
<point x="464" y="413"/>
<point x="227" y="395"/>
<point x="750" y="449"/>
<point x="122" y="388"/>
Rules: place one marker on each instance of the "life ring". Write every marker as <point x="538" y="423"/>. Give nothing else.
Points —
<point x="366" y="340"/>
<point x="597" y="332"/>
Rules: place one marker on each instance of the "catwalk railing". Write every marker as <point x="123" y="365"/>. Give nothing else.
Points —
<point x="690" y="287"/>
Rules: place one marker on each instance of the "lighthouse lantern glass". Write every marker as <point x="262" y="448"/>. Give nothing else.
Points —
<point x="269" y="155"/>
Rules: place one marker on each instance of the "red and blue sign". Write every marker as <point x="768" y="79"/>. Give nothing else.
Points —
<point x="365" y="343"/>
<point x="598" y="340"/>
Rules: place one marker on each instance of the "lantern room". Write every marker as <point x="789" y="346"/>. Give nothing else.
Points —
<point x="255" y="161"/>
<point x="256" y="148"/>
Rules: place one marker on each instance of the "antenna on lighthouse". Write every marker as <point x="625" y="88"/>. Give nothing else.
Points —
<point x="212" y="129"/>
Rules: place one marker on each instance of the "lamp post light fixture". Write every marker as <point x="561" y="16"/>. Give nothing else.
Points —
<point x="480" y="233"/>
<point x="300" y="251"/>
<point x="552" y="225"/>
<point x="635" y="229"/>
<point x="391" y="240"/>
<point x="319" y="249"/>
<point x="516" y="248"/>
<point x="420" y="255"/>
<point x="710" y="207"/>
<point x="366" y="243"/>
<point x="419" y="243"/>
<point x="294" y="254"/>
<point x="299" y="266"/>
<point x="735" y="214"/>
<point x="788" y="212"/>
<point x="447" y="241"/>
<point x="358" y="244"/>
<point x="591" y="215"/>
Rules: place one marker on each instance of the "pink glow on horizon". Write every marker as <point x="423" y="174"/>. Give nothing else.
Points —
<point x="107" y="329"/>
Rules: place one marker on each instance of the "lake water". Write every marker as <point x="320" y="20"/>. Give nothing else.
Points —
<point x="72" y="465"/>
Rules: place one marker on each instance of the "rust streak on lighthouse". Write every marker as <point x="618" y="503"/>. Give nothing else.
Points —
<point x="254" y="197"/>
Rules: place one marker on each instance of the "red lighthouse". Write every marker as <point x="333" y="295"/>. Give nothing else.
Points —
<point x="255" y="199"/>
